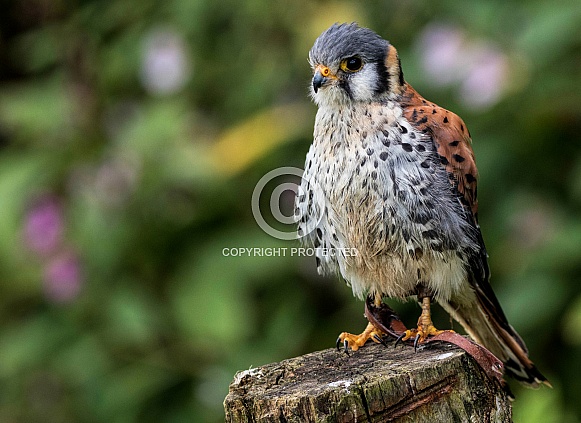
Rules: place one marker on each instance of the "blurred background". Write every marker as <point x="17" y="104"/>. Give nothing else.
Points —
<point x="132" y="135"/>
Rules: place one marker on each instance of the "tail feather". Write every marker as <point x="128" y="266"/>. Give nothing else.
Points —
<point x="493" y="331"/>
<point x="481" y="315"/>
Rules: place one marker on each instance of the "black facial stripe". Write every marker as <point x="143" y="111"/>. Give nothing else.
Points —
<point x="401" y="80"/>
<point x="383" y="80"/>
<point x="345" y="85"/>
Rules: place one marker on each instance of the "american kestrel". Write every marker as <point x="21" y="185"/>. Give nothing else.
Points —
<point x="388" y="196"/>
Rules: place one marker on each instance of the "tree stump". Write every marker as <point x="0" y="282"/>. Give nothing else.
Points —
<point x="438" y="383"/>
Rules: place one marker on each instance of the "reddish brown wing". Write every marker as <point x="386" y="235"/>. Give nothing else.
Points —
<point x="453" y="144"/>
<point x="452" y="140"/>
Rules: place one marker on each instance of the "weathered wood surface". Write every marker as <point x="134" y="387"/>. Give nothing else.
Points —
<point x="438" y="383"/>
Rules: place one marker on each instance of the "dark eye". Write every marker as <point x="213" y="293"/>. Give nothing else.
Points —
<point x="352" y="64"/>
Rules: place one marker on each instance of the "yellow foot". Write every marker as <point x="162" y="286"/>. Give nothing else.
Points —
<point x="425" y="326"/>
<point x="421" y="333"/>
<point x="349" y="340"/>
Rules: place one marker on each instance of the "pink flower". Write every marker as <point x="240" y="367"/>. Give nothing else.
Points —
<point x="441" y="49"/>
<point x="486" y="81"/>
<point x="43" y="226"/>
<point x="166" y="65"/>
<point x="477" y="66"/>
<point x="62" y="278"/>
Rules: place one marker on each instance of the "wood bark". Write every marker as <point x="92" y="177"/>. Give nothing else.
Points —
<point x="438" y="383"/>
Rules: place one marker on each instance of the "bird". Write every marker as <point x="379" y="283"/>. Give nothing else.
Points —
<point x="388" y="197"/>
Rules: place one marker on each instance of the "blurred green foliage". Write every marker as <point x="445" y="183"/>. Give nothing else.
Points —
<point x="132" y="135"/>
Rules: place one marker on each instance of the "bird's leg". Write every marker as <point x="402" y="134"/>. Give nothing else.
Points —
<point x="348" y="340"/>
<point x="425" y="325"/>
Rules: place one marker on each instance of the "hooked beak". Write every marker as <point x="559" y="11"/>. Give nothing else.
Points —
<point x="318" y="81"/>
<point x="322" y="75"/>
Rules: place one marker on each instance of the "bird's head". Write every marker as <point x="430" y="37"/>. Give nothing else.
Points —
<point x="353" y="64"/>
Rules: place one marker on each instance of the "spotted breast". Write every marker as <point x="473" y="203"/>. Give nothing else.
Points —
<point x="378" y="204"/>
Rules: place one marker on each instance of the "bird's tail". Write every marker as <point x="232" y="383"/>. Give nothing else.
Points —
<point x="486" y="323"/>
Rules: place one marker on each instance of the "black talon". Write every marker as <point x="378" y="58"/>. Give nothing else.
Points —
<point x="346" y="347"/>
<point x="379" y="339"/>
<point x="338" y="343"/>
<point x="416" y="342"/>
<point x="398" y="340"/>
